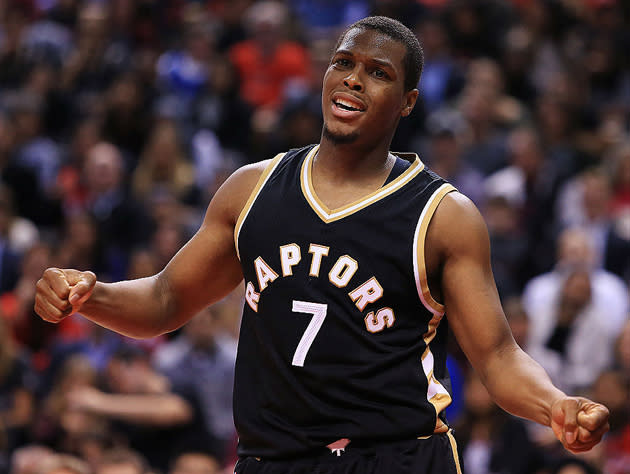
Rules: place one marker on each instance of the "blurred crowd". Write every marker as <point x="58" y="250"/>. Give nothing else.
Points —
<point x="119" y="119"/>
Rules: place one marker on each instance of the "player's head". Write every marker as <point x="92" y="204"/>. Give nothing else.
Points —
<point x="414" y="58"/>
<point x="370" y="83"/>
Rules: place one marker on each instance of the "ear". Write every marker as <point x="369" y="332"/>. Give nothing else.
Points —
<point x="409" y="102"/>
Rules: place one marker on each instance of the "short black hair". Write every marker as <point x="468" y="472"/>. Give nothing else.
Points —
<point x="413" y="61"/>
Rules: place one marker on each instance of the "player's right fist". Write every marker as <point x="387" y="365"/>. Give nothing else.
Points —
<point x="62" y="292"/>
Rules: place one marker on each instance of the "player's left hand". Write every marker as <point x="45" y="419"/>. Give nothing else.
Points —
<point x="579" y="423"/>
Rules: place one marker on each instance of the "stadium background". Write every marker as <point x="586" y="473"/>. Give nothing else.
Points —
<point x="119" y="119"/>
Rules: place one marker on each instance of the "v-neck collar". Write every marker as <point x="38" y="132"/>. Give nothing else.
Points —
<point x="330" y="215"/>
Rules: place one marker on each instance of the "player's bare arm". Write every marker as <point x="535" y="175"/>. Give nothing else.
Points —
<point x="459" y="267"/>
<point x="202" y="272"/>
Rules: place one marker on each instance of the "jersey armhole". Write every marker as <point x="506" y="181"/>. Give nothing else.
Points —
<point x="419" y="263"/>
<point x="252" y="198"/>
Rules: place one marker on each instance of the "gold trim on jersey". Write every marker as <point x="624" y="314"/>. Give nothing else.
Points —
<point x="252" y="197"/>
<point x="451" y="438"/>
<point x="330" y="215"/>
<point x="419" y="264"/>
<point x="437" y="395"/>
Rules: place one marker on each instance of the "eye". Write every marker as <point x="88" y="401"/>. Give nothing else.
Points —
<point x="342" y="62"/>
<point x="380" y="73"/>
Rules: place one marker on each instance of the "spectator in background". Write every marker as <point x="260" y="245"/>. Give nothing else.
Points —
<point x="122" y="461"/>
<point x="90" y="340"/>
<point x="469" y="30"/>
<point x="509" y="244"/>
<point x="81" y="245"/>
<point x="25" y="459"/>
<point x="585" y="202"/>
<point x="125" y="116"/>
<point x="618" y="256"/>
<point x="82" y="138"/>
<point x="34" y="150"/>
<point x="529" y="184"/>
<point x="491" y="440"/>
<point x="486" y="74"/>
<point x="13" y="63"/>
<point x="17" y="396"/>
<point x="163" y="166"/>
<point x="200" y="367"/>
<point x="17" y="233"/>
<point x="46" y="40"/>
<point x="612" y="388"/>
<point x="325" y="19"/>
<point x="57" y="424"/>
<point x="63" y="464"/>
<point x="619" y="164"/>
<point x="268" y="63"/>
<point x="56" y="107"/>
<point x="122" y="222"/>
<point x="579" y="332"/>
<point x="516" y="57"/>
<point x="183" y="72"/>
<point x="622" y="351"/>
<point x="484" y="141"/>
<point x="28" y="202"/>
<point x="36" y="153"/>
<point x="96" y="59"/>
<point x="142" y="263"/>
<point x="595" y="306"/>
<point x="139" y="406"/>
<point x="557" y="129"/>
<point x="195" y="462"/>
<point x="9" y="258"/>
<point x="520" y="326"/>
<point x="167" y="239"/>
<point x="442" y="78"/>
<point x="573" y="465"/>
<point x="37" y="338"/>
<point x="445" y="156"/>
<point x="221" y="109"/>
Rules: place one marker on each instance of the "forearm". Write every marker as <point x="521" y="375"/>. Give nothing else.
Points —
<point x="153" y="410"/>
<point x="136" y="308"/>
<point x="519" y="385"/>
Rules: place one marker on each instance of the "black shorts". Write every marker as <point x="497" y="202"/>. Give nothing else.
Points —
<point x="436" y="454"/>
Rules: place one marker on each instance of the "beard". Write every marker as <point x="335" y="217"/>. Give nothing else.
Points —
<point x="338" y="138"/>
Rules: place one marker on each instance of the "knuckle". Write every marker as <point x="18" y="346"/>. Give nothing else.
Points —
<point x="90" y="276"/>
<point x="51" y="272"/>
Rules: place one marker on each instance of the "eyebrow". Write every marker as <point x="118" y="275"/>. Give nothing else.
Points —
<point x="382" y="62"/>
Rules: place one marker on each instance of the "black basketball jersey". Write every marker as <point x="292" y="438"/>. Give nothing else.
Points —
<point x="340" y="336"/>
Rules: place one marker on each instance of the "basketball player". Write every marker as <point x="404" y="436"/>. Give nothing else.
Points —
<point x="354" y="259"/>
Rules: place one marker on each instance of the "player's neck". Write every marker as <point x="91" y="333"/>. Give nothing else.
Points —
<point x="350" y="162"/>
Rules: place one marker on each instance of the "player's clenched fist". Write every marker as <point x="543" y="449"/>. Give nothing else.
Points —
<point x="62" y="292"/>
<point x="579" y="423"/>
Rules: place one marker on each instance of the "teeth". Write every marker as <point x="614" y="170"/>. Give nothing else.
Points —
<point x="346" y="105"/>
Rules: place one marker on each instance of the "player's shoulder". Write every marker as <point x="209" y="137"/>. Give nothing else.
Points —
<point x="457" y="224"/>
<point x="248" y="175"/>
<point x="456" y="206"/>
<point x="233" y="194"/>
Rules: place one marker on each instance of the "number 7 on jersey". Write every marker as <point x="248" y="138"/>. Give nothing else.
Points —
<point x="318" y="311"/>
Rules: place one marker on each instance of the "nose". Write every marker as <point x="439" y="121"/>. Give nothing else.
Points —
<point x="353" y="81"/>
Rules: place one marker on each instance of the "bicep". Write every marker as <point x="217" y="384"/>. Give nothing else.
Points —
<point x="203" y="271"/>
<point x="469" y="293"/>
<point x="207" y="267"/>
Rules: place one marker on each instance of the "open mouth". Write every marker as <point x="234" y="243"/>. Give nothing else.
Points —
<point x="347" y="105"/>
